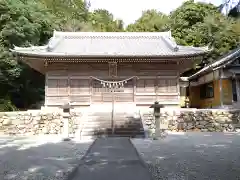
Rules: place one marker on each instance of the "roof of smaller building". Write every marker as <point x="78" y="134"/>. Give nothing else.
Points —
<point x="222" y="61"/>
<point x="108" y="44"/>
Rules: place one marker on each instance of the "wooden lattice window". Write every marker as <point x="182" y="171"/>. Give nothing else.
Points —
<point x="207" y="91"/>
<point x="97" y="87"/>
<point x="162" y="86"/>
<point x="167" y="86"/>
<point x="79" y="86"/>
<point x="146" y="86"/>
<point x="57" y="87"/>
<point x="172" y="86"/>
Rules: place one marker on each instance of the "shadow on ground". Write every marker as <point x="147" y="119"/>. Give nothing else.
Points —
<point x="25" y="158"/>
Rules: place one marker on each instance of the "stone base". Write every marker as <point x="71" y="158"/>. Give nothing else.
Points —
<point x="197" y="120"/>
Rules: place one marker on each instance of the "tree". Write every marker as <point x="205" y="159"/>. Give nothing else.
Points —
<point x="72" y="15"/>
<point x="201" y="24"/>
<point x="188" y="15"/>
<point x="103" y="21"/>
<point x="22" y="23"/>
<point x="151" y="21"/>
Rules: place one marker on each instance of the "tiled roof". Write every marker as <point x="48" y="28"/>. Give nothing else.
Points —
<point x="112" y="44"/>
<point x="222" y="61"/>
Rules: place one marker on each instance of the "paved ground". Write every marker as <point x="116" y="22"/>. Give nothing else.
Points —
<point x="39" y="158"/>
<point x="193" y="156"/>
<point x="112" y="158"/>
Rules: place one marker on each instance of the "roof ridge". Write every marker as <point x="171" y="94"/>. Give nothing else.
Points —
<point x="53" y="43"/>
<point x="111" y="34"/>
<point x="171" y="43"/>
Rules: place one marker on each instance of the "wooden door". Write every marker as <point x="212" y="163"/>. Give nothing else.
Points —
<point x="101" y="94"/>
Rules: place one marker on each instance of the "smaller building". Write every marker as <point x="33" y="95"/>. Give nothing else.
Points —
<point x="218" y="84"/>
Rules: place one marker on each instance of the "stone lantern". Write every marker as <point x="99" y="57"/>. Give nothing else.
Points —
<point x="156" y="113"/>
<point x="66" y="115"/>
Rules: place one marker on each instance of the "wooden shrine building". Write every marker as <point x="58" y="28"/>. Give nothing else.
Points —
<point x="76" y="65"/>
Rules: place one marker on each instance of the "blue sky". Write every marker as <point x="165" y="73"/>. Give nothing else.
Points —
<point x="130" y="10"/>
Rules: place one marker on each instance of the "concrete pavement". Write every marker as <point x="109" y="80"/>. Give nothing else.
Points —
<point x="188" y="156"/>
<point x="112" y="158"/>
<point x="39" y="157"/>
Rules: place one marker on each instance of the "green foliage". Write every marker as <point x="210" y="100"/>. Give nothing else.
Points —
<point x="201" y="24"/>
<point x="151" y="21"/>
<point x="22" y="23"/>
<point x="103" y="21"/>
<point x="70" y="15"/>
<point x="194" y="24"/>
<point x="7" y="105"/>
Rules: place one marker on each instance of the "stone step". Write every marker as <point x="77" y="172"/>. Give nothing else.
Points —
<point x="109" y="117"/>
<point x="115" y="120"/>
<point x="90" y="118"/>
<point x="109" y="114"/>
<point x="127" y="128"/>
<point x="109" y="132"/>
<point x="106" y="128"/>
<point x="109" y="124"/>
<point x="88" y="125"/>
<point x="99" y="123"/>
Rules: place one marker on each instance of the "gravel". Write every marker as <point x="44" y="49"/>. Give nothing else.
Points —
<point x="192" y="156"/>
<point x="39" y="157"/>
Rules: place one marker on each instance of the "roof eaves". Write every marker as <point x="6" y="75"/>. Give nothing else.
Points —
<point x="31" y="48"/>
<point x="228" y="58"/>
<point x="51" y="54"/>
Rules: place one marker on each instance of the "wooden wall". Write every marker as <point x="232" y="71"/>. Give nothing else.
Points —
<point x="73" y="82"/>
<point x="195" y="100"/>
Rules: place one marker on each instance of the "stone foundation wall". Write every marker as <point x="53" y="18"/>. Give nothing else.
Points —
<point x="183" y="120"/>
<point x="36" y="122"/>
<point x="52" y="122"/>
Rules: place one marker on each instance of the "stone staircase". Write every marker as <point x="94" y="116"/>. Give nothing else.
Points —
<point x="100" y="124"/>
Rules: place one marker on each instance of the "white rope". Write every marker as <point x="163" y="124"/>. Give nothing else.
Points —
<point x="114" y="82"/>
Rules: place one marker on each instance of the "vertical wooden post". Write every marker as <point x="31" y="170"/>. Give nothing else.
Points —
<point x="113" y="74"/>
<point x="69" y="87"/>
<point x="238" y="88"/>
<point x="112" y="91"/>
<point x="134" y="89"/>
<point x="156" y="88"/>
<point x="90" y="89"/>
<point x="178" y="85"/>
<point x="220" y="88"/>
<point x="46" y="84"/>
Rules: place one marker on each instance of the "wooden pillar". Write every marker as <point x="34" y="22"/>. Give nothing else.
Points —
<point x="90" y="89"/>
<point x="69" y="87"/>
<point x="134" y="89"/>
<point x="220" y="87"/>
<point x="46" y="83"/>
<point x="237" y="88"/>
<point x="178" y="85"/>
